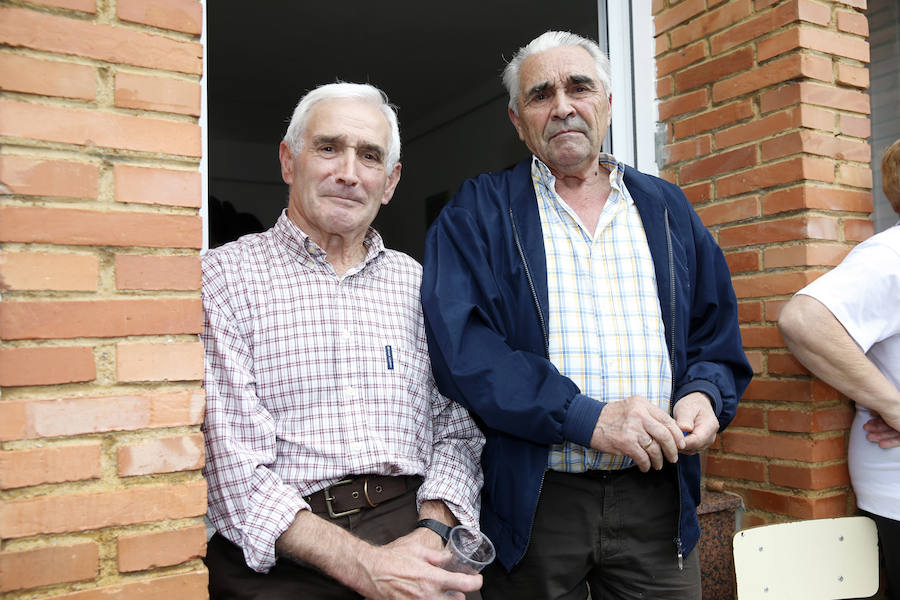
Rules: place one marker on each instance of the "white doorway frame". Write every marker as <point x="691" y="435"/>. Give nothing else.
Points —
<point x="635" y="114"/>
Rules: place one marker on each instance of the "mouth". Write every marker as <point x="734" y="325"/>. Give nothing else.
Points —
<point x="343" y="196"/>
<point x="566" y="132"/>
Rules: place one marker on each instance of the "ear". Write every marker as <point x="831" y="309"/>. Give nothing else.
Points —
<point x="392" y="181"/>
<point x="515" y="121"/>
<point x="287" y="163"/>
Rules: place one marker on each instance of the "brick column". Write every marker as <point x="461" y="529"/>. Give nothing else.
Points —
<point x="767" y="123"/>
<point x="100" y="361"/>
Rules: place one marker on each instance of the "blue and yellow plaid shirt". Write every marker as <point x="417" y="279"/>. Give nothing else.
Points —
<point x="606" y="329"/>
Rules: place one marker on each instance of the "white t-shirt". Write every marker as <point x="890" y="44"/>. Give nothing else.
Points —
<point x="863" y="293"/>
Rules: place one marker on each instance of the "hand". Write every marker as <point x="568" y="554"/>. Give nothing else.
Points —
<point x="417" y="540"/>
<point x="640" y="430"/>
<point x="695" y="416"/>
<point x="879" y="432"/>
<point x="407" y="570"/>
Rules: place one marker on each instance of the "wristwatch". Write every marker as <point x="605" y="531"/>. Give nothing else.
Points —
<point x="437" y="527"/>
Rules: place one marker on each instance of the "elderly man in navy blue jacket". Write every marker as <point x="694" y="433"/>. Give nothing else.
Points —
<point x="586" y="317"/>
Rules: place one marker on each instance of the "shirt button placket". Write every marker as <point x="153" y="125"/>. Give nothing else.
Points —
<point x="353" y="365"/>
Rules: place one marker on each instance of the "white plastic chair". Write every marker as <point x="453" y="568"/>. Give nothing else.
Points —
<point x="820" y="559"/>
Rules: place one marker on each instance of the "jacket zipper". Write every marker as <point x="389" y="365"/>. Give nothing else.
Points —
<point x="679" y="547"/>
<point x="534" y="297"/>
<point x="537" y="306"/>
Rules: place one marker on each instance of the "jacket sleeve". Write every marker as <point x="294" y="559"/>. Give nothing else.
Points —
<point x="453" y="474"/>
<point x="716" y="363"/>
<point x="472" y="305"/>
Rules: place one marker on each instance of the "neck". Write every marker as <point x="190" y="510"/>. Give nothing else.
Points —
<point x="342" y="253"/>
<point x="591" y="180"/>
<point x="343" y="250"/>
<point x="585" y="192"/>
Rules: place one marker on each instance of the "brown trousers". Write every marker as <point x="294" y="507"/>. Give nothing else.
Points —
<point x="231" y="579"/>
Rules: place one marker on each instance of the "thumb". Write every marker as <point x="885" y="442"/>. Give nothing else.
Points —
<point x="684" y="424"/>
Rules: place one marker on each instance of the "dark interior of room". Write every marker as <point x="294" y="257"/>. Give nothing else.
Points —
<point x="438" y="63"/>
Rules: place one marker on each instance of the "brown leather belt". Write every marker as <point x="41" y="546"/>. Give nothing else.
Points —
<point x="349" y="496"/>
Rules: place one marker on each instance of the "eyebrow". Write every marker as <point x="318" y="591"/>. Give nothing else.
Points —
<point x="367" y="147"/>
<point x="582" y="79"/>
<point x="538" y="88"/>
<point x="340" y="139"/>
<point x="573" y="79"/>
<point x="327" y="139"/>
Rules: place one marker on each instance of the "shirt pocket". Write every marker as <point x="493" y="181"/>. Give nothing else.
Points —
<point x="395" y="397"/>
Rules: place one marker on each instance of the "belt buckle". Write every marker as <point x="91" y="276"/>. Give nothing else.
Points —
<point x="329" y="498"/>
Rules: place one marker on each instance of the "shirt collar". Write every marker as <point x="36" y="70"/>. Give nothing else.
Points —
<point x="616" y="173"/>
<point x="302" y="247"/>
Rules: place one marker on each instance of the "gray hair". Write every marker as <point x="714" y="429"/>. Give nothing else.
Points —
<point x="547" y="41"/>
<point x="342" y="90"/>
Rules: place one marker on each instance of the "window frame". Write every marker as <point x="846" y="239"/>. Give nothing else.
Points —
<point x="636" y="133"/>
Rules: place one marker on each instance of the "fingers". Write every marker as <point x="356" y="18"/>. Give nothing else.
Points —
<point x="654" y="453"/>
<point x="882" y="437"/>
<point x="876" y="425"/>
<point x="640" y="430"/>
<point x="660" y="441"/>
<point x="702" y="435"/>
<point x="462" y="583"/>
<point x="671" y="439"/>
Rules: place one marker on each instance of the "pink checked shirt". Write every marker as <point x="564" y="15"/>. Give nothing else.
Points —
<point x="311" y="378"/>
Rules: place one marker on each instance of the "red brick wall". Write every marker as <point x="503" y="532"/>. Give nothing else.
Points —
<point x="767" y="122"/>
<point x="100" y="362"/>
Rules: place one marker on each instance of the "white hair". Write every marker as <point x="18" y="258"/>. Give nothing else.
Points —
<point x="343" y="90"/>
<point x="547" y="41"/>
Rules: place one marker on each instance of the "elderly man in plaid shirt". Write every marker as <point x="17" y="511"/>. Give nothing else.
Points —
<point x="334" y="465"/>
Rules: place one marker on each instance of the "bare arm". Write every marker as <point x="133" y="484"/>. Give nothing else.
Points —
<point x="821" y="343"/>
<point x="376" y="572"/>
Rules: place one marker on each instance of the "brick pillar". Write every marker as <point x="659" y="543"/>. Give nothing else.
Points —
<point x="767" y="123"/>
<point x="100" y="361"/>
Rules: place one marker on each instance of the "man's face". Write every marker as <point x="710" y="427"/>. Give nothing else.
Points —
<point x="563" y="109"/>
<point x="339" y="180"/>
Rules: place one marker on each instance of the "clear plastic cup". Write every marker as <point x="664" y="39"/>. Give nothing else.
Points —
<point x="470" y="550"/>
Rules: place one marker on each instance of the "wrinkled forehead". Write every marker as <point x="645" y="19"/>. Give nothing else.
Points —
<point x="557" y="66"/>
<point x="349" y="118"/>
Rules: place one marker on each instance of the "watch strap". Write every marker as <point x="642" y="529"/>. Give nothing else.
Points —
<point x="437" y="527"/>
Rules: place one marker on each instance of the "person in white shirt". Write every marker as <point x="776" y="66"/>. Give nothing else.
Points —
<point x="845" y="328"/>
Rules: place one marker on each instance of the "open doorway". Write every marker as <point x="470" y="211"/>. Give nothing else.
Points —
<point x="439" y="63"/>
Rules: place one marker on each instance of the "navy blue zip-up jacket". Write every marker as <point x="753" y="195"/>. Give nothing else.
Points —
<point x="484" y="294"/>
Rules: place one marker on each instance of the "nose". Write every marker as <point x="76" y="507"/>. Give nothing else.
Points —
<point x="562" y="108"/>
<point x="346" y="169"/>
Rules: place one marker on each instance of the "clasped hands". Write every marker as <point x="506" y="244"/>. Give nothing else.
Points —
<point x="649" y="436"/>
